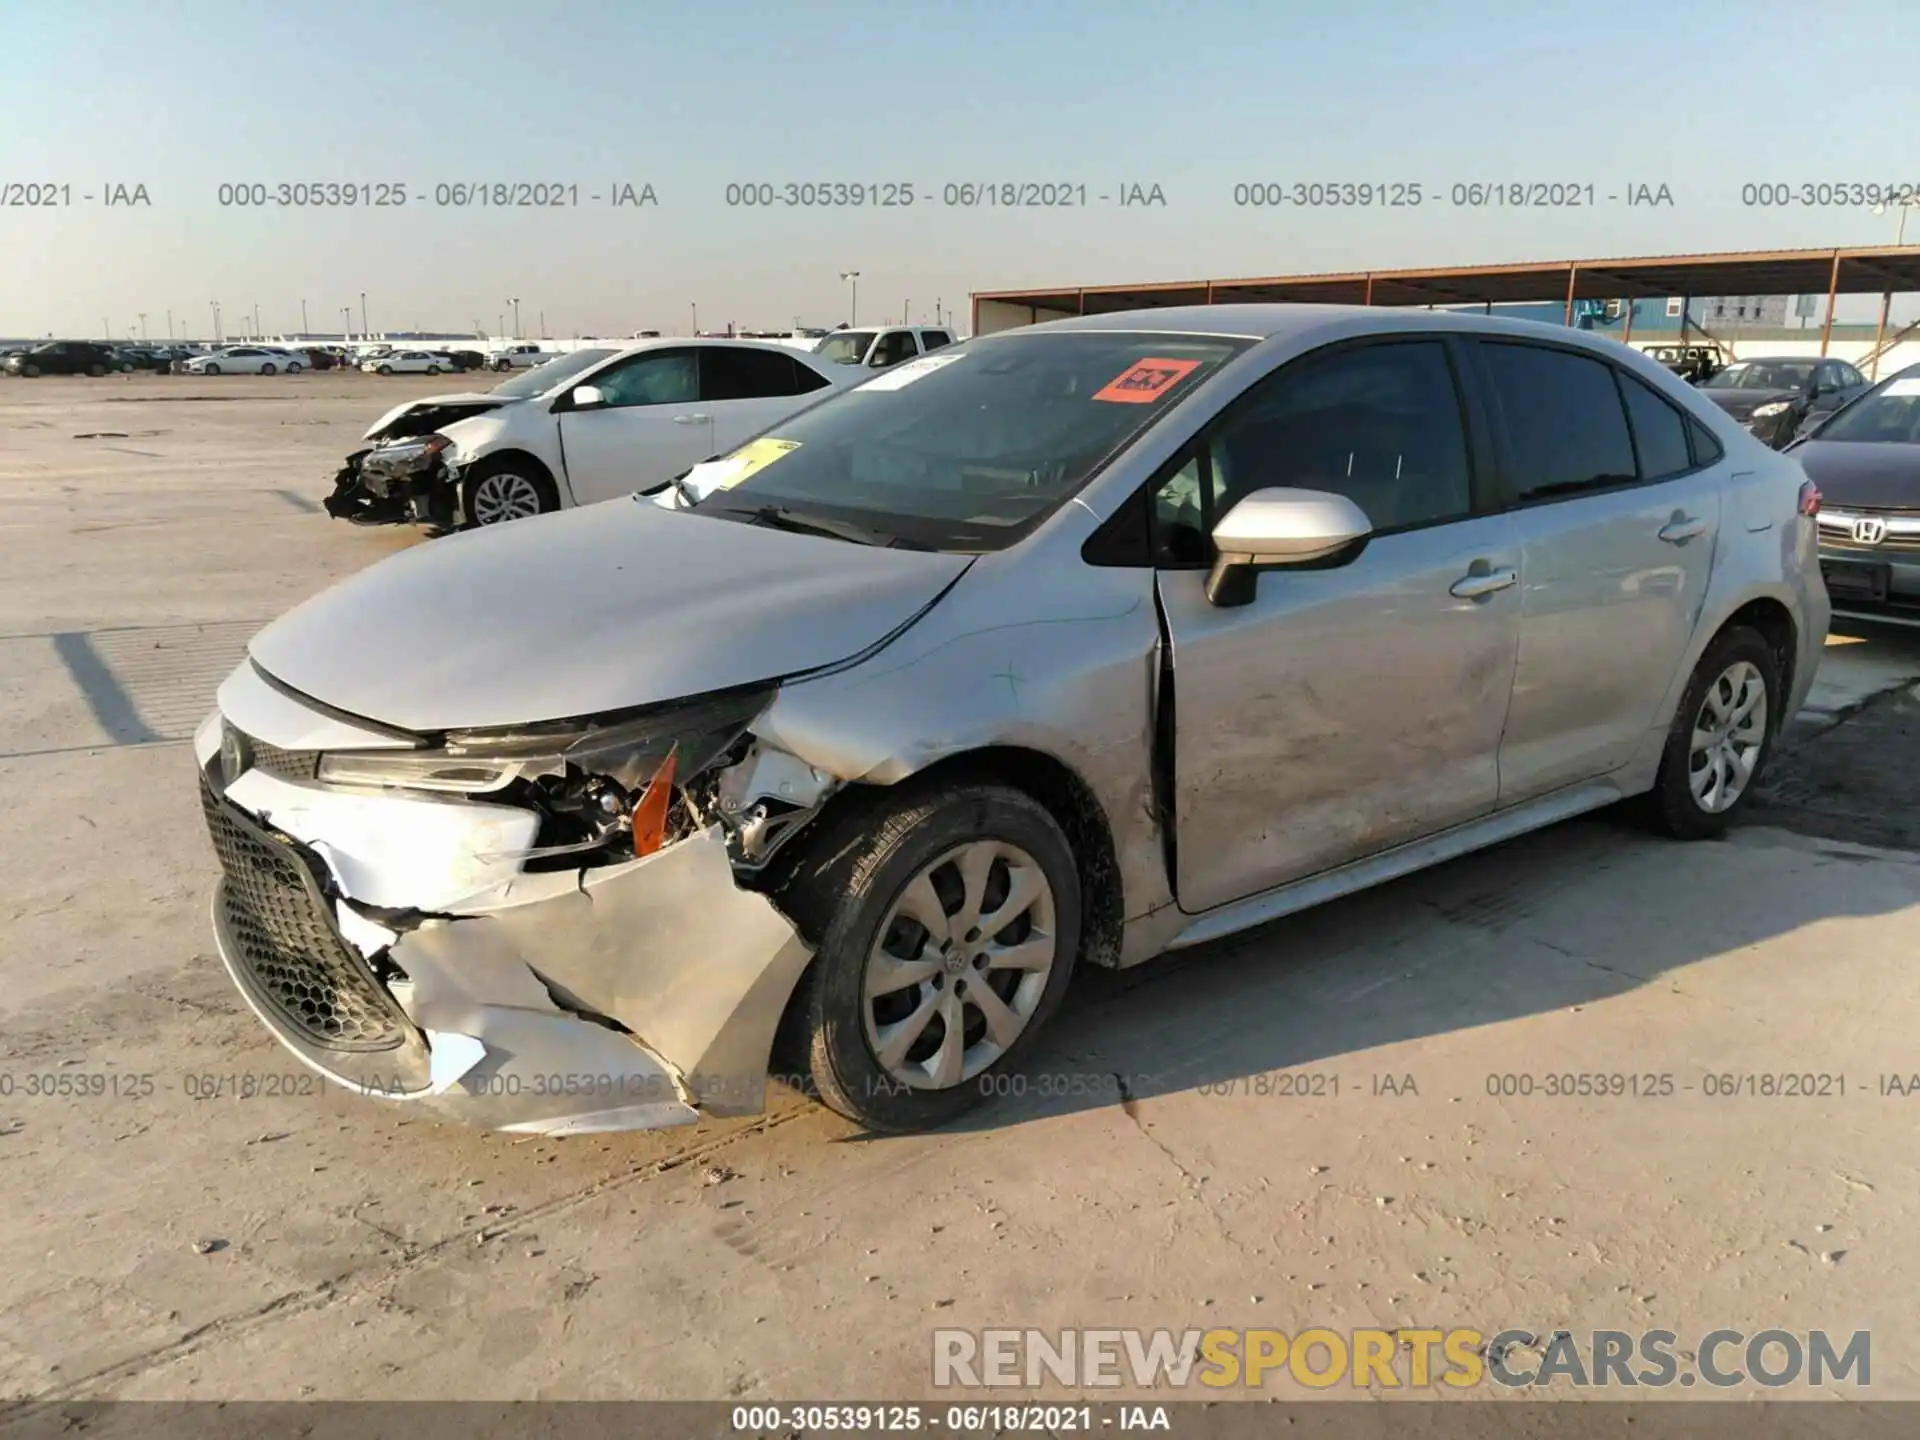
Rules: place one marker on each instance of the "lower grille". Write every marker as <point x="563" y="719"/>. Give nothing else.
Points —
<point x="281" y="926"/>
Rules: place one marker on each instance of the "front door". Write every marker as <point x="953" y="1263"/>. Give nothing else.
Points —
<point x="1348" y="709"/>
<point x="650" y="427"/>
<point x="1617" y="525"/>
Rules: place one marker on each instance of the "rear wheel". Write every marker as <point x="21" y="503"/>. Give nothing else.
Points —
<point x="267" y="369"/>
<point x="507" y="489"/>
<point x="293" y="367"/>
<point x="1722" y="735"/>
<point x="947" y="922"/>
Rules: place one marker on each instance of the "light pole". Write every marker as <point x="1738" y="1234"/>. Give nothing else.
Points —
<point x="216" y="320"/>
<point x="169" y="326"/>
<point x="906" y="312"/>
<point x="143" y="327"/>
<point x="363" y="314"/>
<point x="694" y="306"/>
<point x="304" y="330"/>
<point x="256" y="322"/>
<point x="346" y="323"/>
<point x="516" y="317"/>
<point x="853" y="307"/>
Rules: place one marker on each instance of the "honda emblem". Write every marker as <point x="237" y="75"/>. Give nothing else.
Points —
<point x="1869" y="530"/>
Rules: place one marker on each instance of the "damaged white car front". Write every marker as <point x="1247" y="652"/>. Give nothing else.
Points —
<point x="546" y="929"/>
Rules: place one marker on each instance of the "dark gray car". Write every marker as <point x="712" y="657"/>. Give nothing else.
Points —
<point x="1777" y="397"/>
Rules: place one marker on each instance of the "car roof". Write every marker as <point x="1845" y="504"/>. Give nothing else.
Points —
<point x="1269" y="322"/>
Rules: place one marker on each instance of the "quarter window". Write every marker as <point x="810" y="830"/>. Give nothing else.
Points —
<point x="1379" y="424"/>
<point x="806" y="379"/>
<point x="1659" y="431"/>
<point x="1564" y="421"/>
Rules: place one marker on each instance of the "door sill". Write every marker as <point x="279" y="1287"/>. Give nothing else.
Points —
<point x="1402" y="860"/>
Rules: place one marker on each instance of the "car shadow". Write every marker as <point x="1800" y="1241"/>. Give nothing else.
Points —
<point x="1568" y="917"/>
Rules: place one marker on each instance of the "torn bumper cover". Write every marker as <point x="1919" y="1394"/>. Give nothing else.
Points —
<point x="627" y="996"/>
<point x="397" y="482"/>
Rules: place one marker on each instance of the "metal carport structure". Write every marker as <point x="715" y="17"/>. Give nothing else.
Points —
<point x="1867" y="270"/>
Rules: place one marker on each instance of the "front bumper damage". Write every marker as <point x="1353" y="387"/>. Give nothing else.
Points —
<point x="395" y="946"/>
<point x="370" y="489"/>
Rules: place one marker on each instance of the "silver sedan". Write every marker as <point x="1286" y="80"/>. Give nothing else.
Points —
<point x="1060" y="647"/>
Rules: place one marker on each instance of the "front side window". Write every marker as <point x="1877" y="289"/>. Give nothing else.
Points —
<point x="662" y="377"/>
<point x="893" y="348"/>
<point x="1564" y="421"/>
<point x="845" y="347"/>
<point x="970" y="449"/>
<point x="1379" y="424"/>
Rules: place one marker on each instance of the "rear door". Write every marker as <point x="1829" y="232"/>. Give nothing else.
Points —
<point x="891" y="348"/>
<point x="745" y="389"/>
<point x="1617" y="524"/>
<point x="1347" y="709"/>
<point x="650" y="426"/>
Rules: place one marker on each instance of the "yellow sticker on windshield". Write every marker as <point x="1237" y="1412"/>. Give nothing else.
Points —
<point x="750" y="460"/>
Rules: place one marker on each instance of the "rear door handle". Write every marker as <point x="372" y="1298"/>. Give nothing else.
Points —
<point x="691" y="419"/>
<point x="1472" y="587"/>
<point x="1682" y="529"/>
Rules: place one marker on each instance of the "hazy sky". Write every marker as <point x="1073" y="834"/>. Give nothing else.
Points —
<point x="183" y="96"/>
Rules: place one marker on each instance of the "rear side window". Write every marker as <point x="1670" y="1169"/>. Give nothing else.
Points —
<point x="729" y="373"/>
<point x="1565" y="424"/>
<point x="1659" y="431"/>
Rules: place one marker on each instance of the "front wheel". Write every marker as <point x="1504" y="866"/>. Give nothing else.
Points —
<point x="294" y="368"/>
<point x="266" y="369"/>
<point x="947" y="924"/>
<point x="211" y="370"/>
<point x="96" y="370"/>
<point x="504" y="490"/>
<point x="32" y="372"/>
<point x="433" y="369"/>
<point x="386" y="369"/>
<point x="1722" y="735"/>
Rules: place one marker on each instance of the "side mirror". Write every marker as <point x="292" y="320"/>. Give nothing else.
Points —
<point x="1280" y="529"/>
<point x="585" y="397"/>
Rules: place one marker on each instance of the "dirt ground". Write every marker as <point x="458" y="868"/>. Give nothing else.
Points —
<point x="188" y="1223"/>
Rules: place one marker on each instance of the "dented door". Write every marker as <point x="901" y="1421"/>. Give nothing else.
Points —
<point x="1343" y="711"/>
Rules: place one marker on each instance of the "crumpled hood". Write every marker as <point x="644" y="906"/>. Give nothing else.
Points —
<point x="1856" y="473"/>
<point x="590" y="610"/>
<point x="429" y="402"/>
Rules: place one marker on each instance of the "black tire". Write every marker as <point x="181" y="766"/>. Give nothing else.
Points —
<point x="293" y="367"/>
<point x="433" y="369"/>
<point x="267" y="369"/>
<point x="527" y="469"/>
<point x="386" y="369"/>
<point x="1671" y="808"/>
<point x="212" y="370"/>
<point x="31" y="372"/>
<point x="96" y="370"/>
<point x="842" y="891"/>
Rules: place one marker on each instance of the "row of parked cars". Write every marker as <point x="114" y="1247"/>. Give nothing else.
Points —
<point x="88" y="357"/>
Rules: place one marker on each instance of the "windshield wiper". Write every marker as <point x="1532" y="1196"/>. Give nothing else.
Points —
<point x="778" y="517"/>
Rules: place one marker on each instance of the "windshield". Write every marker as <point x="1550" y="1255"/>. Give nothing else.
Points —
<point x="556" y="371"/>
<point x="847" y="347"/>
<point x="1887" y="416"/>
<point x="970" y="448"/>
<point x="1763" y="375"/>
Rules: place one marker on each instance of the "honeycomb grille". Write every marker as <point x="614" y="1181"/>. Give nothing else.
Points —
<point x="286" y="764"/>
<point x="282" y="931"/>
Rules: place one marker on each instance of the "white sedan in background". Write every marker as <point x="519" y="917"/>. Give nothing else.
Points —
<point x="635" y="420"/>
<point x="248" y="360"/>
<point x="408" y="362"/>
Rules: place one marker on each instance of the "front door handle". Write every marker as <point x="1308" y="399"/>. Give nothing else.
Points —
<point x="691" y="419"/>
<point x="1472" y="587"/>
<point x="1681" y="529"/>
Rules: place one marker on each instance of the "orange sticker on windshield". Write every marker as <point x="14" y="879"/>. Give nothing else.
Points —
<point x="1146" y="381"/>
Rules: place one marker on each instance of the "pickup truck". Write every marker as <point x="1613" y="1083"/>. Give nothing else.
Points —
<point x="879" y="348"/>
<point x="517" y="357"/>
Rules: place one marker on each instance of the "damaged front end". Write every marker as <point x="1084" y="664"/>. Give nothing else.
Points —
<point x="404" y="481"/>
<point x="552" y="929"/>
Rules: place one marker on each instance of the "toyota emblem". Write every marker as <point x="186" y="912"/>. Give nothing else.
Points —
<point x="1869" y="530"/>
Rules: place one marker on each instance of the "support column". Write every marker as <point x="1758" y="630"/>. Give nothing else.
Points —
<point x="1880" y="334"/>
<point x="1833" y="290"/>
<point x="1369" y="299"/>
<point x="1573" y="276"/>
<point x="1627" y="338"/>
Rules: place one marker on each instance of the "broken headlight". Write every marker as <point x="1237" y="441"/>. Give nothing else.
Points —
<point x="614" y="782"/>
<point x="404" y="457"/>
